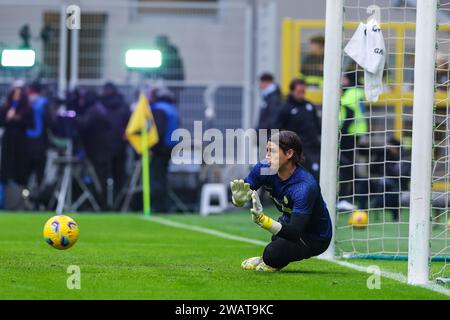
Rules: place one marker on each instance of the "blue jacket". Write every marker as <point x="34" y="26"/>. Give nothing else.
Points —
<point x="167" y="120"/>
<point x="38" y="107"/>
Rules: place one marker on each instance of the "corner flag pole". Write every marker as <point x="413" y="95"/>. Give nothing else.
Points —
<point x="145" y="173"/>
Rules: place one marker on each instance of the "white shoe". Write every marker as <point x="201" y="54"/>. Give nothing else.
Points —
<point x="264" y="267"/>
<point x="344" y="205"/>
<point x="251" y="263"/>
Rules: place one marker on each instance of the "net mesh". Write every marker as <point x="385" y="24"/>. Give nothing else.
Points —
<point x="374" y="163"/>
<point x="441" y="148"/>
<point x="375" y="166"/>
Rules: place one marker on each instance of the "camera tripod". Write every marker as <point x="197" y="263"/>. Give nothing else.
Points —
<point x="70" y="170"/>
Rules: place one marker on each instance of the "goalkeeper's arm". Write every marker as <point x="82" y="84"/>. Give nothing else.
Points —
<point x="290" y="231"/>
<point x="294" y="230"/>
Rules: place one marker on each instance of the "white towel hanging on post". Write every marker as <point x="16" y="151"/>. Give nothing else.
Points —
<point x="367" y="48"/>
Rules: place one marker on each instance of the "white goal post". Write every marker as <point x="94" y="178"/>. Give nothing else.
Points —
<point x="422" y="142"/>
<point x="330" y="109"/>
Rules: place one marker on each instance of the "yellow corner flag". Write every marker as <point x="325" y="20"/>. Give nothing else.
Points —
<point x="142" y="118"/>
<point x="142" y="134"/>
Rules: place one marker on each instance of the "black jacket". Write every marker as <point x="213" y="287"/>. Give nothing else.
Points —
<point x="269" y="110"/>
<point x="301" y="117"/>
<point x="117" y="115"/>
<point x="14" y="144"/>
<point x="95" y="130"/>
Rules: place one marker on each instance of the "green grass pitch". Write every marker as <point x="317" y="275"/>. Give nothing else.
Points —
<point x="124" y="256"/>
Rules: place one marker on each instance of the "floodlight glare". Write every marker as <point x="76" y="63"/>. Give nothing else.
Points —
<point x="143" y="58"/>
<point x="18" y="58"/>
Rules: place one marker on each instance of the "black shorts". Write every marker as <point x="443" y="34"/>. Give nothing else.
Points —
<point x="280" y="252"/>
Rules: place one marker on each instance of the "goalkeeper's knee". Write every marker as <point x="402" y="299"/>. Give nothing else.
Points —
<point x="274" y="257"/>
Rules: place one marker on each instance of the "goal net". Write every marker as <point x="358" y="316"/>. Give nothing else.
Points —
<point x="374" y="147"/>
<point x="440" y="238"/>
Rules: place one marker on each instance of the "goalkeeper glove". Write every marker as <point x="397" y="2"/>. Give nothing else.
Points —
<point x="260" y="218"/>
<point x="240" y="192"/>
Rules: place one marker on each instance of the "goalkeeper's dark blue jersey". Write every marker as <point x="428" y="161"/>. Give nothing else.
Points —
<point x="299" y="194"/>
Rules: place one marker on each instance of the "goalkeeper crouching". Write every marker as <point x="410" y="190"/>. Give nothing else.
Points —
<point x="304" y="229"/>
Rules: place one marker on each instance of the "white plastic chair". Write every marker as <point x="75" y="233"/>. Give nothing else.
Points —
<point x="209" y="191"/>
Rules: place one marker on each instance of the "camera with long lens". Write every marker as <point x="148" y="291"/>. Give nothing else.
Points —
<point x="66" y="125"/>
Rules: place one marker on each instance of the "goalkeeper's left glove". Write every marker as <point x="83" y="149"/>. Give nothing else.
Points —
<point x="260" y="218"/>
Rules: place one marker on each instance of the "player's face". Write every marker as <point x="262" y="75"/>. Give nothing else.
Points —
<point x="263" y="85"/>
<point x="299" y="92"/>
<point x="275" y="156"/>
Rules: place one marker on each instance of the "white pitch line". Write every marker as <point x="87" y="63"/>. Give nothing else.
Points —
<point x="386" y="274"/>
<point x="394" y="276"/>
<point x="205" y="230"/>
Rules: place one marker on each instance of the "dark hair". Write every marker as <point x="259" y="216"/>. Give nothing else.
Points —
<point x="109" y="88"/>
<point x="90" y="98"/>
<point x="296" y="82"/>
<point x="352" y="78"/>
<point x="266" y="77"/>
<point x="35" y="86"/>
<point x="23" y="104"/>
<point x="162" y="40"/>
<point x="290" y="140"/>
<point x="162" y="94"/>
<point x="320" y="40"/>
<point x="352" y="74"/>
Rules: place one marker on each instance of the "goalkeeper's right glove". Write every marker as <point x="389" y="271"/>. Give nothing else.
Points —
<point x="260" y="218"/>
<point x="240" y="192"/>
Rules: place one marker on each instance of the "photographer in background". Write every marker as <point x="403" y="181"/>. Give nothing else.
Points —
<point x="37" y="140"/>
<point x="389" y="177"/>
<point x="167" y="120"/>
<point x="16" y="116"/>
<point x="117" y="115"/>
<point x="93" y="129"/>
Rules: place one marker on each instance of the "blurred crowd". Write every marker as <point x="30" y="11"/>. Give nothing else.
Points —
<point x="86" y="127"/>
<point x="94" y="122"/>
